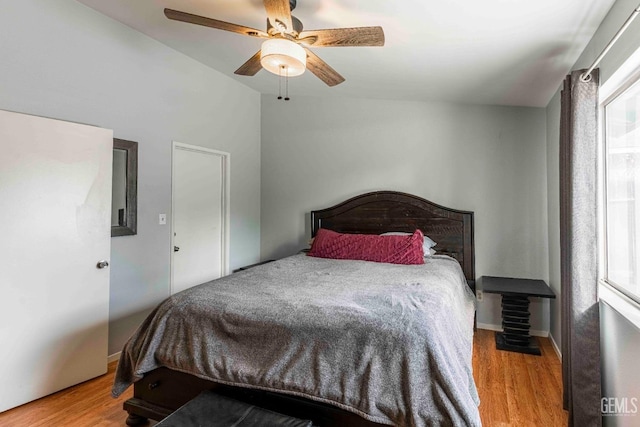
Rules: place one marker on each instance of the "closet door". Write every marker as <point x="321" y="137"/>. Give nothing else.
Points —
<point x="55" y="200"/>
<point x="200" y="198"/>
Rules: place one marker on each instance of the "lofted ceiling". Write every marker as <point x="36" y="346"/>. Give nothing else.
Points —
<point x="498" y="52"/>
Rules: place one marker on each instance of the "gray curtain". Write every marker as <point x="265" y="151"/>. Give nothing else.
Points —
<point x="578" y="250"/>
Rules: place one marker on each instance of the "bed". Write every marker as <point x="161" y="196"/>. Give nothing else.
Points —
<point x="350" y="343"/>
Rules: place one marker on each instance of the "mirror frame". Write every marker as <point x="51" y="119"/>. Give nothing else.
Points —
<point x="131" y="217"/>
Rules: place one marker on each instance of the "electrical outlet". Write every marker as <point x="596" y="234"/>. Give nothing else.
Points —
<point x="479" y="295"/>
<point x="162" y="219"/>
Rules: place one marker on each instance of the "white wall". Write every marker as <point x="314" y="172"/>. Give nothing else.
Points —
<point x="618" y="373"/>
<point x="490" y="160"/>
<point x="63" y="60"/>
<point x="553" y="212"/>
<point x="625" y="46"/>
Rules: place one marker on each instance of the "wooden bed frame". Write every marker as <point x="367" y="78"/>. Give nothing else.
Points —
<point x="162" y="390"/>
<point x="381" y="211"/>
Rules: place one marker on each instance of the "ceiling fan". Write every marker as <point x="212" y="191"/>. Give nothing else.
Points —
<point x="286" y="50"/>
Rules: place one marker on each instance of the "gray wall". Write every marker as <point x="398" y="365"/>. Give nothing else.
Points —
<point x="553" y="204"/>
<point x="615" y="329"/>
<point x="490" y="160"/>
<point x="625" y="46"/>
<point x="620" y="377"/>
<point x="63" y="60"/>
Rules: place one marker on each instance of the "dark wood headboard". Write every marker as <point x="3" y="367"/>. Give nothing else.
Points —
<point x="381" y="211"/>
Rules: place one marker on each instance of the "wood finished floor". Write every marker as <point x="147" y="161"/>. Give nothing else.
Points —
<point x="518" y="389"/>
<point x="515" y="390"/>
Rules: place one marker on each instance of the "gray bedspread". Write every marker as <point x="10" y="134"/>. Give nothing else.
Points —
<point x="391" y="343"/>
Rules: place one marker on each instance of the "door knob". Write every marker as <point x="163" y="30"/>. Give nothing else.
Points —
<point x="102" y="264"/>
<point x="176" y="249"/>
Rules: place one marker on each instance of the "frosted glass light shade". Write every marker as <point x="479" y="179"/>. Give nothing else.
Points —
<point x="276" y="53"/>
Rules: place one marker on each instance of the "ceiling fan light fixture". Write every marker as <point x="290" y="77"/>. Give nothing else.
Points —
<point x="278" y="53"/>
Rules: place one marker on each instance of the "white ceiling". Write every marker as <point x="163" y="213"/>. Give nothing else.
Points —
<point x="499" y="52"/>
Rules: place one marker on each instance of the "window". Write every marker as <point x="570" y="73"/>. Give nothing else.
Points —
<point x="622" y="191"/>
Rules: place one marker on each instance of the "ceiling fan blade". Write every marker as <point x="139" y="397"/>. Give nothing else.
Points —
<point x="359" y="36"/>
<point x="251" y="67"/>
<point x="279" y="15"/>
<point x="176" y="15"/>
<point x="322" y="70"/>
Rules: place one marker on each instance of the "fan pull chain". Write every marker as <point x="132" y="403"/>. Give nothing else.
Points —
<point x="286" y="98"/>
<point x="280" y="82"/>
<point x="286" y="82"/>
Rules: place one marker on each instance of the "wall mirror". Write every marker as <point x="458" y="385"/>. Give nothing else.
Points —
<point x="124" y="197"/>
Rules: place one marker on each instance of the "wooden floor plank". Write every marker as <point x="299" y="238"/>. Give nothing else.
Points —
<point x="521" y="389"/>
<point x="85" y="405"/>
<point x="515" y="390"/>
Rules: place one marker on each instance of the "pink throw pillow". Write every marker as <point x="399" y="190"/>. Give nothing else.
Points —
<point x="369" y="247"/>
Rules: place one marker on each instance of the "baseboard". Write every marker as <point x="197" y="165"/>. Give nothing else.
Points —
<point x="114" y="357"/>
<point x="555" y="347"/>
<point x="498" y="328"/>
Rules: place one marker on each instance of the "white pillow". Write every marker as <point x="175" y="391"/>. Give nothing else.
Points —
<point x="426" y="245"/>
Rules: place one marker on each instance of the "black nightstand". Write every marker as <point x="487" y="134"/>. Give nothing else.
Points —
<point x="515" y="310"/>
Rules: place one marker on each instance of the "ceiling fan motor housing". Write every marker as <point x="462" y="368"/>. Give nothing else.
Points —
<point x="297" y="27"/>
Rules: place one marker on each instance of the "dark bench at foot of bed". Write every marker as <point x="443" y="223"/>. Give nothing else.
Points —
<point x="214" y="410"/>
<point x="163" y="391"/>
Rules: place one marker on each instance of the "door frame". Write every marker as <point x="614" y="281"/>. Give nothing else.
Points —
<point x="226" y="212"/>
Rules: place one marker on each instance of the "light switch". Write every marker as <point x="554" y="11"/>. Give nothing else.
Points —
<point x="162" y="219"/>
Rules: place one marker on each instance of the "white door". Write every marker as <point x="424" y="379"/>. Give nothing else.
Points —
<point x="200" y="215"/>
<point x="55" y="226"/>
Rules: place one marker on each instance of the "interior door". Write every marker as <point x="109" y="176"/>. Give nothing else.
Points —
<point x="199" y="179"/>
<point x="55" y="193"/>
